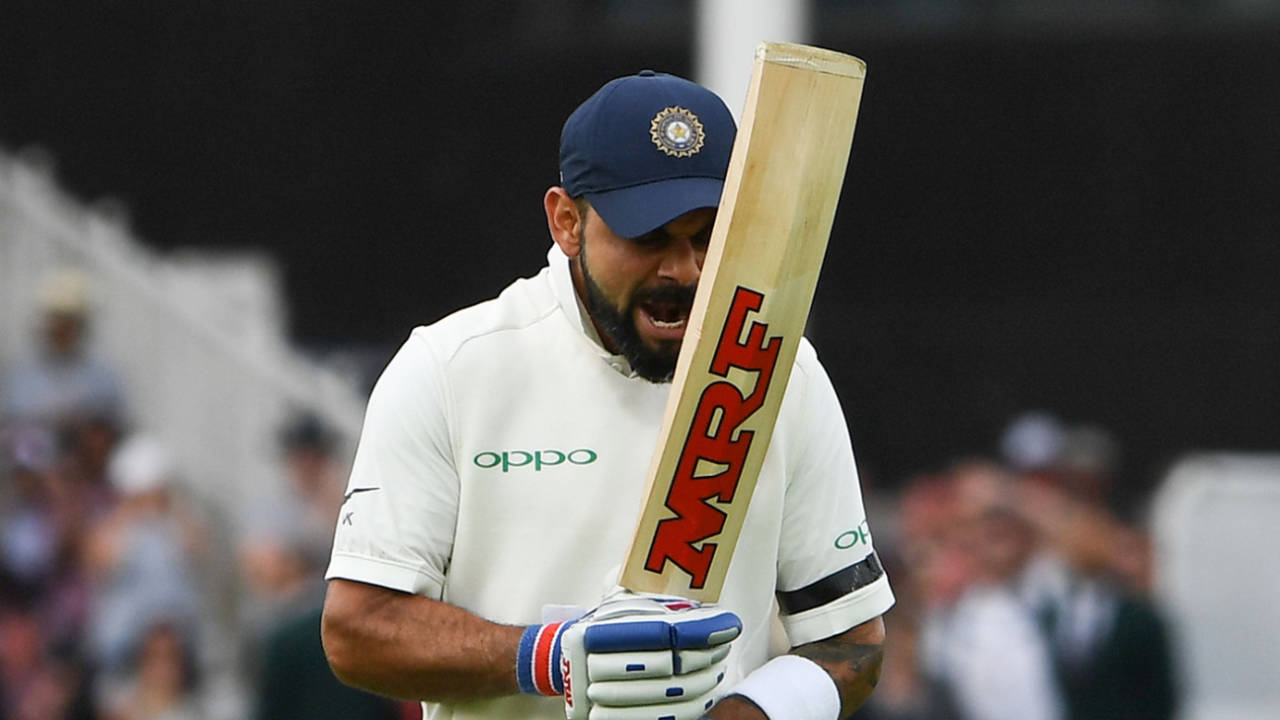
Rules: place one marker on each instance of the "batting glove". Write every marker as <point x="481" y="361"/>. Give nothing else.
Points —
<point x="632" y="658"/>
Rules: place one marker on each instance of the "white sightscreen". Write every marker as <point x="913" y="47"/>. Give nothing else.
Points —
<point x="1216" y="522"/>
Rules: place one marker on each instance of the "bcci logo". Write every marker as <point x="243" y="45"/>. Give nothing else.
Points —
<point x="677" y="132"/>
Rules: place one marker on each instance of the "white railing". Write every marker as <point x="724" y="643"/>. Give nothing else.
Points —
<point x="198" y="340"/>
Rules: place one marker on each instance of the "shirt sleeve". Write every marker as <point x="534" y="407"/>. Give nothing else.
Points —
<point x="829" y="577"/>
<point x="396" y="525"/>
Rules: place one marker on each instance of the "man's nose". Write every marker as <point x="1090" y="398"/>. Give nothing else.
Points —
<point x="682" y="263"/>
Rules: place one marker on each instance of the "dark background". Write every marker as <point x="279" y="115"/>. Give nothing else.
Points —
<point x="1079" y="217"/>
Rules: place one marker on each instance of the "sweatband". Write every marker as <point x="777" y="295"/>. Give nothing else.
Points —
<point x="538" y="659"/>
<point x="790" y="687"/>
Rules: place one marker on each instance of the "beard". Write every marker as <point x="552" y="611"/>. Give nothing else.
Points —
<point x="618" y="328"/>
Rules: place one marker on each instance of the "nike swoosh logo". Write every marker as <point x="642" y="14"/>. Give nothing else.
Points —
<point x="353" y="491"/>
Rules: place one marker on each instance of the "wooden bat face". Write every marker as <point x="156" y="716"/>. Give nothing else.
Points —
<point x="747" y="319"/>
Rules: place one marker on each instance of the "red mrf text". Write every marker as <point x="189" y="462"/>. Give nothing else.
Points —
<point x="715" y="440"/>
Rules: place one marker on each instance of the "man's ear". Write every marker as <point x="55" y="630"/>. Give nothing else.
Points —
<point x="563" y="220"/>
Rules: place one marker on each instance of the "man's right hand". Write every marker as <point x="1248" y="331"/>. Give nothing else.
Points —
<point x="632" y="658"/>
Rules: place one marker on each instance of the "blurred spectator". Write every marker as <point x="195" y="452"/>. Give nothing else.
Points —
<point x="140" y="558"/>
<point x="21" y="655"/>
<point x="1021" y="593"/>
<point x="161" y="680"/>
<point x="36" y="683"/>
<point x="987" y="647"/>
<point x="316" y="478"/>
<point x="286" y="544"/>
<point x="62" y="380"/>
<point x="1110" y="644"/>
<point x="43" y="519"/>
<point x="282" y="563"/>
<point x="282" y="578"/>
<point x="28" y="529"/>
<point x="296" y="681"/>
<point x="1106" y="636"/>
<point x="1079" y="464"/>
<point x="291" y="674"/>
<point x="88" y="443"/>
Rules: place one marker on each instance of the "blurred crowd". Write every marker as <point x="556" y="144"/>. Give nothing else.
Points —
<point x="1022" y="594"/>
<point x="114" y="601"/>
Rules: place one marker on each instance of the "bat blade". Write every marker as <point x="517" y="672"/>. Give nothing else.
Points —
<point x="753" y="298"/>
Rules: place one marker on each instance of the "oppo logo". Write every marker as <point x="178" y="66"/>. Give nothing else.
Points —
<point x="856" y="536"/>
<point x="537" y="459"/>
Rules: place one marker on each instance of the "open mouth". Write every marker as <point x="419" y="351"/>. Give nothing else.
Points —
<point x="666" y="314"/>
<point x="666" y="320"/>
<point x="662" y="313"/>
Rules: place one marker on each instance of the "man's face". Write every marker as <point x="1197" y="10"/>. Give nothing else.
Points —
<point x="639" y="291"/>
<point x="62" y="332"/>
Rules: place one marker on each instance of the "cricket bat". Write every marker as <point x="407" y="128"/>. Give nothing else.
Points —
<point x="757" y="283"/>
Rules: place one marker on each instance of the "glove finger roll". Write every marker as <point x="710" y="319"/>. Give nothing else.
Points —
<point x="631" y="665"/>
<point x="690" y="709"/>
<point x="687" y="661"/>
<point x="655" y="691"/>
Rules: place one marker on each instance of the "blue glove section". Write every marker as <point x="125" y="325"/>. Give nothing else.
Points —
<point x="705" y="632"/>
<point x="621" y="636"/>
<point x="697" y="633"/>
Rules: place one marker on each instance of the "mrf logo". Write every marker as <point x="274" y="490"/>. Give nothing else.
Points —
<point x="715" y="438"/>
<point x="566" y="672"/>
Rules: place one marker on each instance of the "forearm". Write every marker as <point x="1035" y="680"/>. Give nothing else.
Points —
<point x="852" y="660"/>
<point x="412" y="647"/>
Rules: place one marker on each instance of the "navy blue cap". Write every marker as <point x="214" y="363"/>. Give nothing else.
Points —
<point x="646" y="149"/>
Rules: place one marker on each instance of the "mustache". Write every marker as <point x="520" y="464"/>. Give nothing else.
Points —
<point x="678" y="295"/>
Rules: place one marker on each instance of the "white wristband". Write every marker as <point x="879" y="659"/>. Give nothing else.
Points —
<point x="790" y="687"/>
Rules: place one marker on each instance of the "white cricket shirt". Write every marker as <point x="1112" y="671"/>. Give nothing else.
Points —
<point x="502" y="466"/>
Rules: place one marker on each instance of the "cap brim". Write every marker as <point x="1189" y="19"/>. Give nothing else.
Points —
<point x="634" y="211"/>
